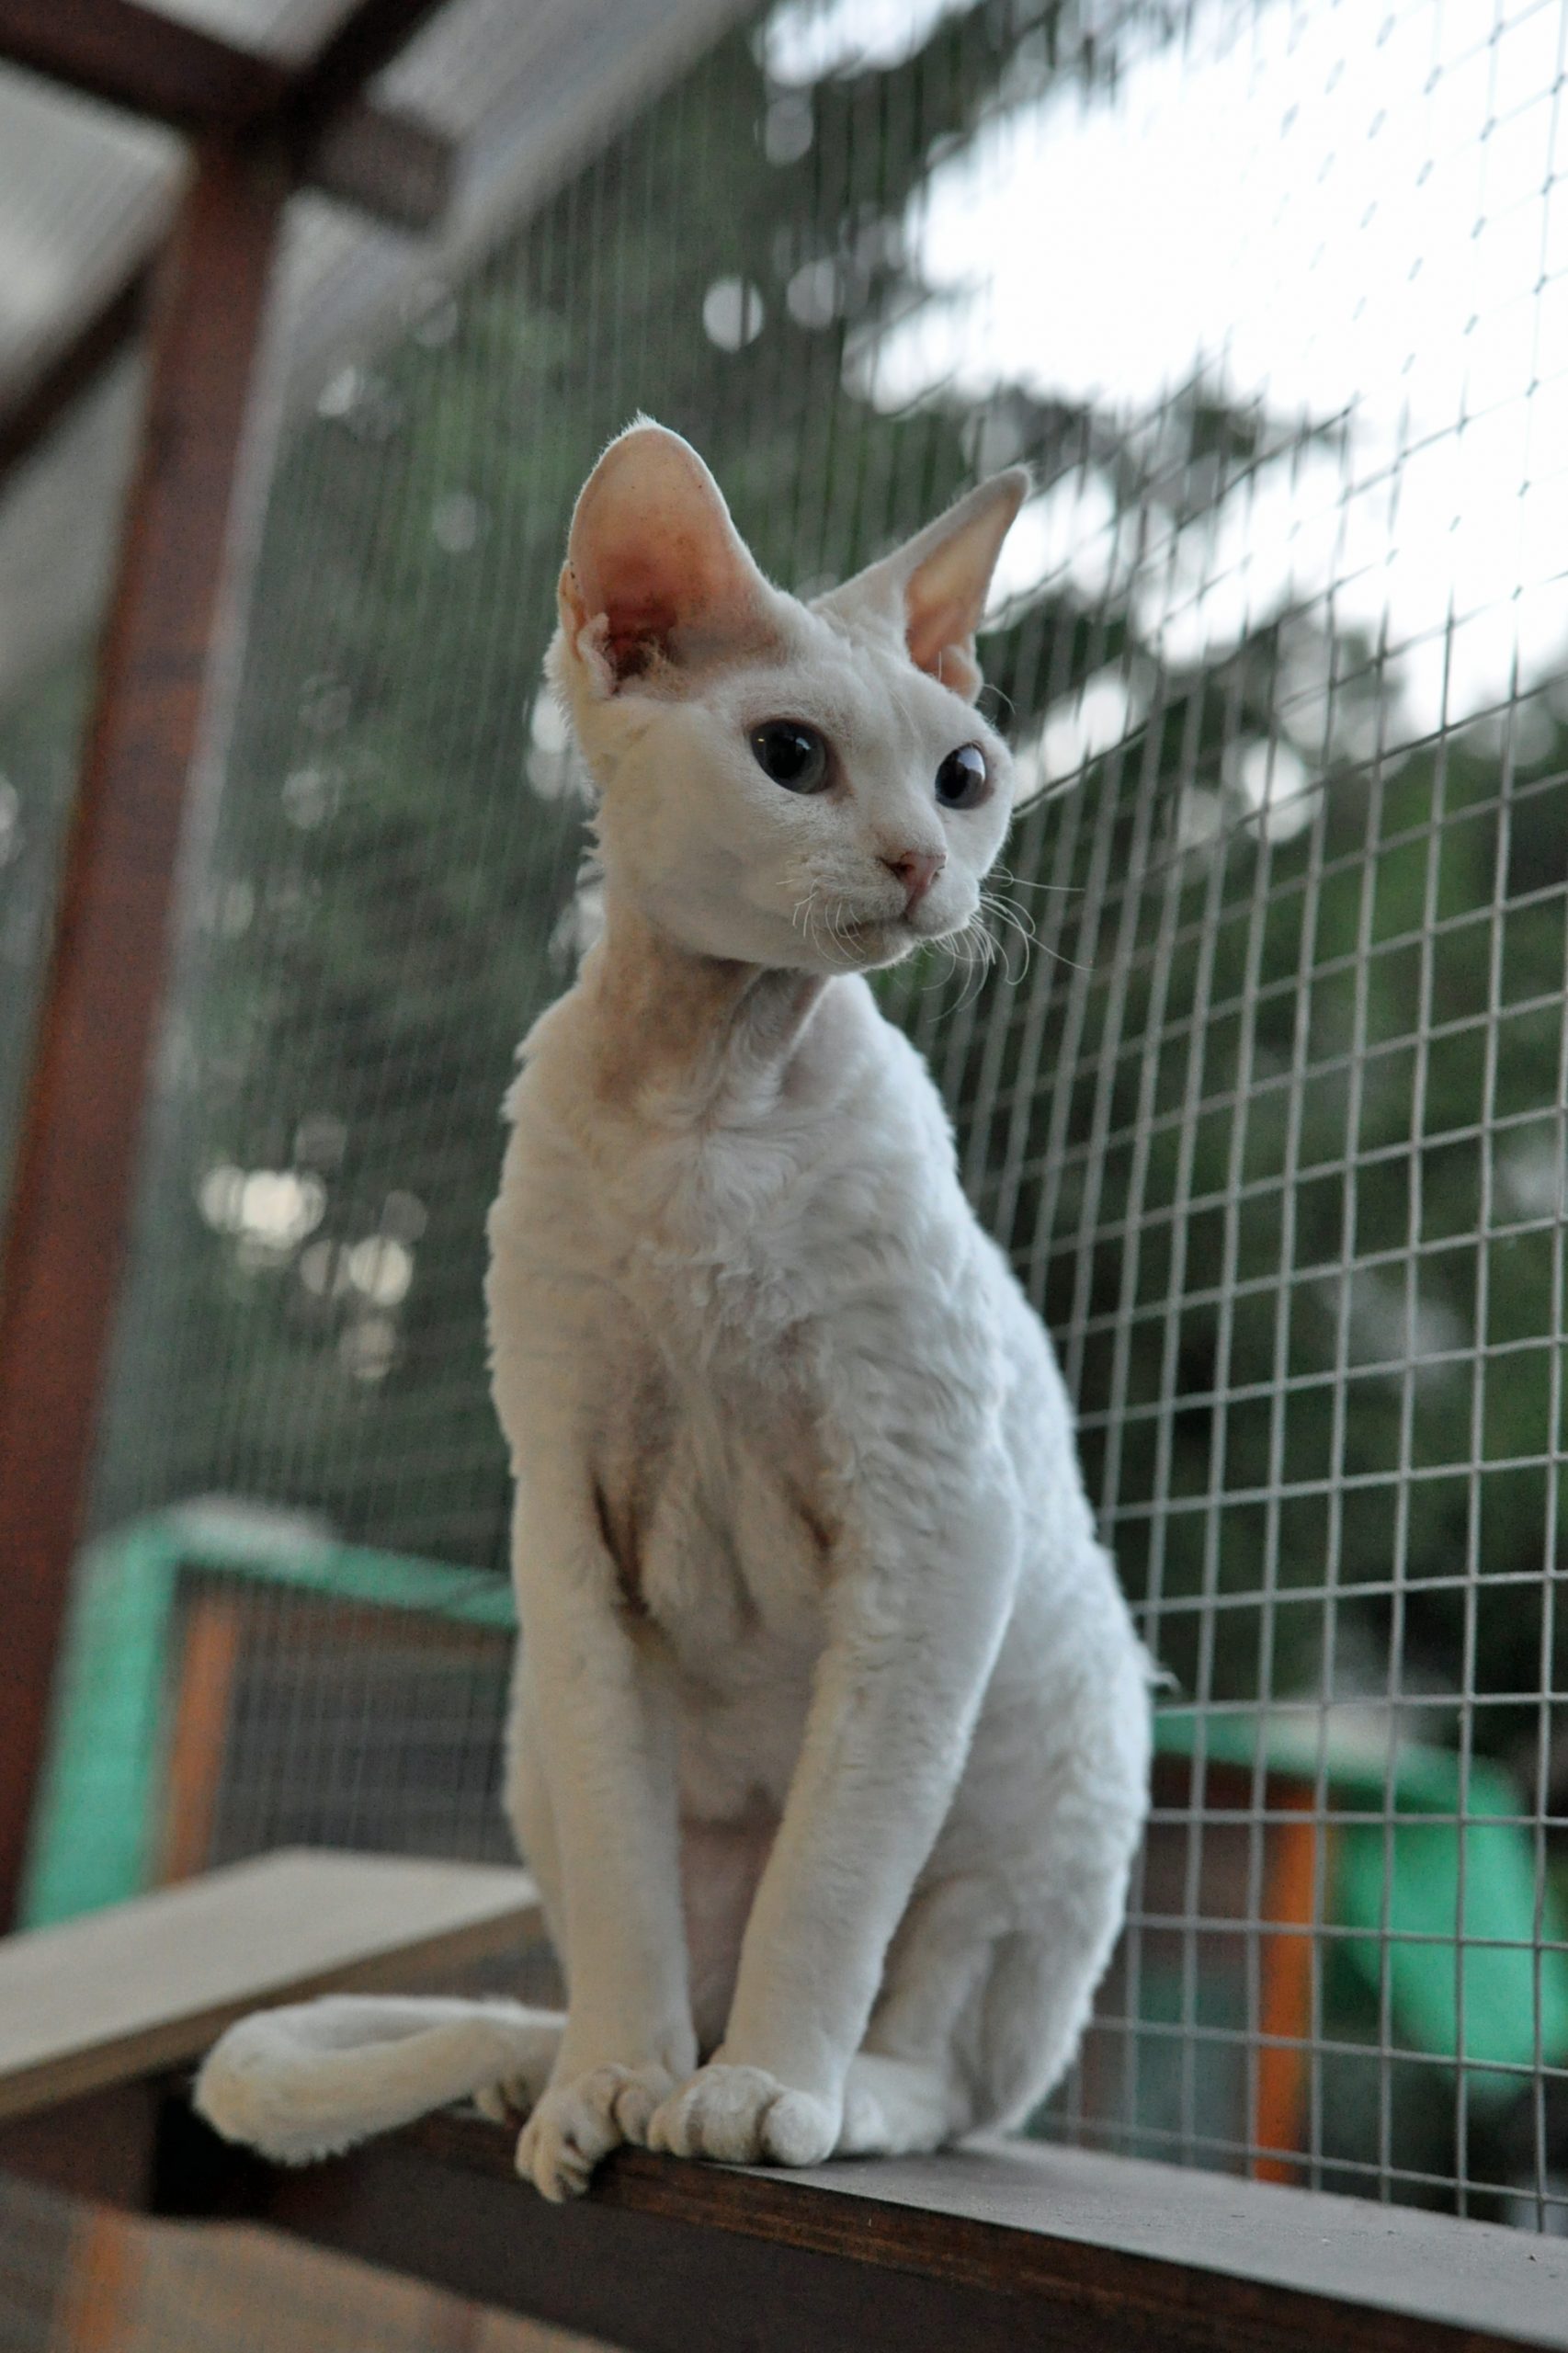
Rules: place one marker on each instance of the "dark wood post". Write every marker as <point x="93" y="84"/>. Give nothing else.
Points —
<point x="77" y="1156"/>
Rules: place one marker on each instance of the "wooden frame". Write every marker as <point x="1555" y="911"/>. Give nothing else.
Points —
<point x="152" y="65"/>
<point x="388" y="162"/>
<point x="75" y="1155"/>
<point x="70" y="1206"/>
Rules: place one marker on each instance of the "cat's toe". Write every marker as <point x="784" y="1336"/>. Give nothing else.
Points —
<point x="742" y="2115"/>
<point x="799" y="2130"/>
<point x="576" y="2124"/>
<point x="637" y="2101"/>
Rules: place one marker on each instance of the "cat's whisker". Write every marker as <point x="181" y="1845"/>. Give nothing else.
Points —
<point x="1021" y="919"/>
<point x="1018" y="922"/>
<point x="839" y="920"/>
<point x="1017" y="882"/>
<point x="979" y="951"/>
<point x="1013" y="923"/>
<point x="947" y="946"/>
<point x="1017" y="918"/>
<point x="816" y="928"/>
<point x="826" y="934"/>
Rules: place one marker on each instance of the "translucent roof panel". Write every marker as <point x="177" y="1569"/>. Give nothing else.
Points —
<point x="291" y="29"/>
<point x="530" y="98"/>
<point x="82" y="189"/>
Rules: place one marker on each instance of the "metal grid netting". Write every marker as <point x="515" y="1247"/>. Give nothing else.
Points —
<point x="1271" y="1116"/>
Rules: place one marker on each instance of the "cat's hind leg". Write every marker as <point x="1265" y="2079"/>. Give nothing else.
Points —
<point x="907" y="2088"/>
<point x="978" y="2021"/>
<point x="1037" y="2002"/>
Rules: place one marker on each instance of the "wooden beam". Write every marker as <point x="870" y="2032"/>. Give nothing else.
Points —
<point x="385" y="161"/>
<point x="76" y="365"/>
<point x="138" y="58"/>
<point x="369" y="38"/>
<point x="75" y="1171"/>
<point x="993" y="2247"/>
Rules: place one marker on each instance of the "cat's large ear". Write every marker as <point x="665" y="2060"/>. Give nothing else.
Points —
<point x="657" y="574"/>
<point x="933" y="588"/>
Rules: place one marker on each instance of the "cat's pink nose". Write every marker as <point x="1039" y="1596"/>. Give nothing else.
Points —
<point x="916" y="870"/>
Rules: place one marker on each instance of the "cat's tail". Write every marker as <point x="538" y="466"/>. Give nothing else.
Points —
<point x="307" y="2081"/>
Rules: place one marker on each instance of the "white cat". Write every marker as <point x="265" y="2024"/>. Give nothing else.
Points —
<point x="831" y="1733"/>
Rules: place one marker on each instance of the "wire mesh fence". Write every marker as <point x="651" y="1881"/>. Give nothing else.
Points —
<point x="1265" y="1091"/>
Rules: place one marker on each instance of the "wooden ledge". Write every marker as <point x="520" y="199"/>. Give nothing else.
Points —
<point x="1001" y="2245"/>
<point x="131" y="1992"/>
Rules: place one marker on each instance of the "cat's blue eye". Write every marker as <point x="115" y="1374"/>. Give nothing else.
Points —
<point x="792" y="754"/>
<point x="963" y="779"/>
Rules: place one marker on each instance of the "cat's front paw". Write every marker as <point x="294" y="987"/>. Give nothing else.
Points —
<point x="576" y="2123"/>
<point x="743" y="2116"/>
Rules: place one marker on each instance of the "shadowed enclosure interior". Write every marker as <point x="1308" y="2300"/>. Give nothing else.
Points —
<point x="1260" y="1078"/>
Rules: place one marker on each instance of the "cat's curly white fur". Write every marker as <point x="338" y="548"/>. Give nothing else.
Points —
<point x="830" y="1738"/>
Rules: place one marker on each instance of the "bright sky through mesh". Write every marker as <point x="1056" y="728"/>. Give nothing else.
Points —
<point x="1338" y="211"/>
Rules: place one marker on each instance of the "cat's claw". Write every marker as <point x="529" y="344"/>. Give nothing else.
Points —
<point x="507" y="2101"/>
<point x="743" y="2116"/>
<point x="576" y="2123"/>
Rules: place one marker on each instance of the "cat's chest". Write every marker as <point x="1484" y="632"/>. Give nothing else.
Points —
<point x="716" y="1500"/>
<point x="712" y="1239"/>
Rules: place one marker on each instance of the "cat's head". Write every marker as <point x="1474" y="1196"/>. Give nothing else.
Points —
<point x="807" y="785"/>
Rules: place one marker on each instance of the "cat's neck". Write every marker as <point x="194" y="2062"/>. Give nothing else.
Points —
<point x="694" y="1034"/>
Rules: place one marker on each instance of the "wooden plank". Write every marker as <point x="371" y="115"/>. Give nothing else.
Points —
<point x="1002" y="2246"/>
<point x="153" y="65"/>
<point x="1285" y="2023"/>
<point x="149" y="1985"/>
<point x="102" y="2147"/>
<point x="152" y="2287"/>
<point x="75" y="1159"/>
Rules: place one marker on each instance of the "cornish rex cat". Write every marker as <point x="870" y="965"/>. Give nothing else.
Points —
<point x="830" y="1739"/>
